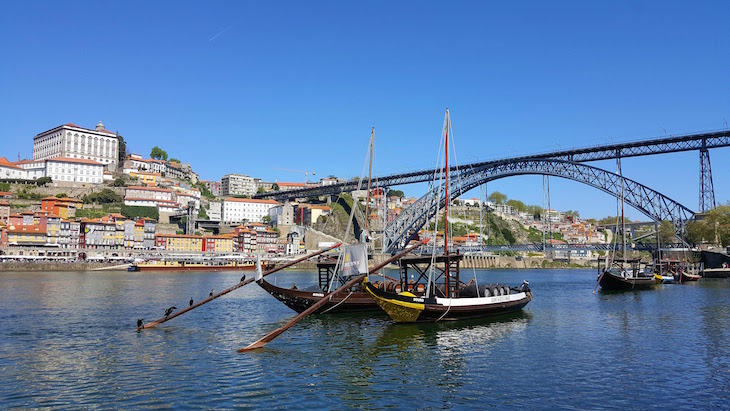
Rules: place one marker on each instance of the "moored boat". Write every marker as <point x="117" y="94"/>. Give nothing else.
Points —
<point x="684" y="276"/>
<point x="205" y="265"/>
<point x="447" y="298"/>
<point x="617" y="276"/>
<point x="353" y="300"/>
<point x="663" y="279"/>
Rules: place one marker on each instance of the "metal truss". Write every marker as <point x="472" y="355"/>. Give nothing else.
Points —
<point x="707" y="190"/>
<point x="650" y="202"/>
<point x="536" y="247"/>
<point x="600" y="152"/>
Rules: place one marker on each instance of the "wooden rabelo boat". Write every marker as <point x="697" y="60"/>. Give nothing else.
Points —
<point x="353" y="300"/>
<point x="447" y="298"/>
<point x="438" y="294"/>
<point x="624" y="275"/>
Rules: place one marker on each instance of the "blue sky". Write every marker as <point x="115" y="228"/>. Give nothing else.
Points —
<point x="255" y="87"/>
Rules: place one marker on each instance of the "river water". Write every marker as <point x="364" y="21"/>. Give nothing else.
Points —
<point x="68" y="341"/>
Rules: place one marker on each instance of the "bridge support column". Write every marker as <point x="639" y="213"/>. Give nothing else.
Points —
<point x="707" y="190"/>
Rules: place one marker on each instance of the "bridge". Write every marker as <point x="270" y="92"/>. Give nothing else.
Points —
<point x="569" y="164"/>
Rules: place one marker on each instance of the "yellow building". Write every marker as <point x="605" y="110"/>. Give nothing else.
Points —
<point x="28" y="235"/>
<point x="146" y="178"/>
<point x="179" y="242"/>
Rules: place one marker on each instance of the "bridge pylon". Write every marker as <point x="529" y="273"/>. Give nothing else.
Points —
<point x="707" y="190"/>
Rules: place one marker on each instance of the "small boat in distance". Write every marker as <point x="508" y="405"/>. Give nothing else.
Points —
<point x="624" y="275"/>
<point x="212" y="264"/>
<point x="663" y="278"/>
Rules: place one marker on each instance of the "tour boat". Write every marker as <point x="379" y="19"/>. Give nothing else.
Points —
<point x="187" y="265"/>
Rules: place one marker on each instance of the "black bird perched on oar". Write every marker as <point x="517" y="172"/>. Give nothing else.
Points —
<point x="211" y="292"/>
<point x="243" y="278"/>
<point x="169" y="311"/>
<point x="191" y="301"/>
<point x="140" y="322"/>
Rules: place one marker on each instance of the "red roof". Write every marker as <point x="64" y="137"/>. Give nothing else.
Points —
<point x="4" y="203"/>
<point x="75" y="160"/>
<point x="251" y="200"/>
<point x="5" y="163"/>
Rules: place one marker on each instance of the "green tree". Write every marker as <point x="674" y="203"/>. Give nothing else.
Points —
<point x="666" y="232"/>
<point x="158" y="153"/>
<point x="713" y="228"/>
<point x="517" y="204"/>
<point x="104" y="196"/>
<point x="497" y="198"/>
<point x="266" y="219"/>
<point x="275" y="187"/>
<point x="202" y="214"/>
<point x="4" y="186"/>
<point x="119" y="182"/>
<point x="260" y="190"/>
<point x="174" y="160"/>
<point x="396" y="193"/>
<point x="135" y="212"/>
<point x="61" y="195"/>
<point x="43" y="181"/>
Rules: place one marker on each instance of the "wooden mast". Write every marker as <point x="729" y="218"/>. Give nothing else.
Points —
<point x="446" y="211"/>
<point x="370" y="176"/>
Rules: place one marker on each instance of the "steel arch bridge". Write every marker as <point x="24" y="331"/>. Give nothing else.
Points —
<point x="653" y="204"/>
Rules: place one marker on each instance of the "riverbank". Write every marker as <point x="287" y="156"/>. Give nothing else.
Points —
<point x="481" y="262"/>
<point x="56" y="266"/>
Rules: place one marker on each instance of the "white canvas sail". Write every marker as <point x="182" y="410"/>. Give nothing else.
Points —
<point x="259" y="272"/>
<point x="354" y="260"/>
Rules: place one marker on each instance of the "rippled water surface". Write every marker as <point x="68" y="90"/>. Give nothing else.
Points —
<point x="68" y="341"/>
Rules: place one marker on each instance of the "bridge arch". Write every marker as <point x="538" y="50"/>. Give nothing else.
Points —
<point x="650" y="202"/>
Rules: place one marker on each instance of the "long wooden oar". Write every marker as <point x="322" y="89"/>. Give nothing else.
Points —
<point x="598" y="281"/>
<point x="157" y="322"/>
<point x="269" y="337"/>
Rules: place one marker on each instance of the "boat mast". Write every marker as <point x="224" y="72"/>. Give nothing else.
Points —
<point x="446" y="212"/>
<point x="446" y="205"/>
<point x="370" y="178"/>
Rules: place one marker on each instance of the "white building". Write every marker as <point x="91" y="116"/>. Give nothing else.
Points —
<point x="149" y="193"/>
<point x="72" y="141"/>
<point x="214" y="210"/>
<point x="236" y="210"/>
<point x="237" y="185"/>
<point x="34" y="168"/>
<point x="74" y="170"/>
<point x="9" y="170"/>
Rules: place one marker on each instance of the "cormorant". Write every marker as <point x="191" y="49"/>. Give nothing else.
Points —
<point x="191" y="301"/>
<point x="140" y="323"/>
<point x="243" y="278"/>
<point x="169" y="311"/>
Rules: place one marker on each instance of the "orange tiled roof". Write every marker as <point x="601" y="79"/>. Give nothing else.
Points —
<point x="75" y="160"/>
<point x="5" y="163"/>
<point x="252" y="200"/>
